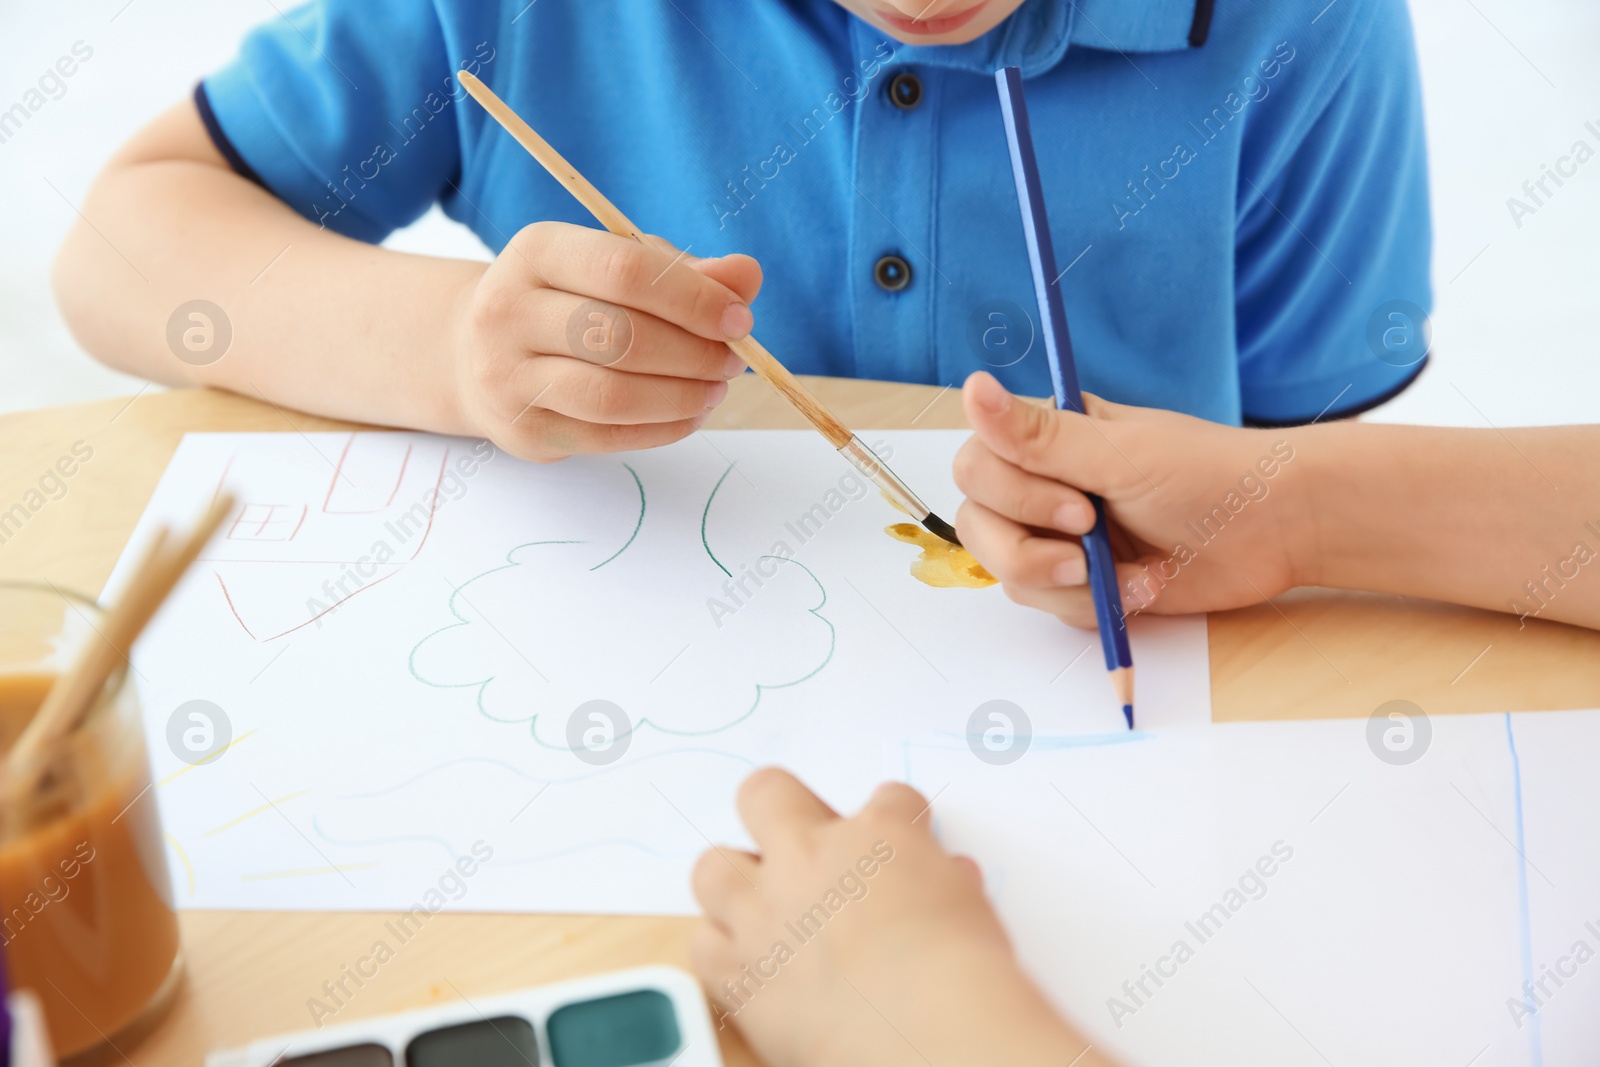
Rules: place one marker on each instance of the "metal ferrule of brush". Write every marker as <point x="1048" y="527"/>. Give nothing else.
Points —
<point x="867" y="462"/>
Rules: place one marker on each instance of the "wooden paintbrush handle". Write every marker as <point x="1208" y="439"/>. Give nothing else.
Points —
<point x="779" y="377"/>
<point x="75" y="693"/>
<point x="96" y="661"/>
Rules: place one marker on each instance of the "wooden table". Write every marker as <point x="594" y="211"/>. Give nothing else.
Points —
<point x="1312" y="654"/>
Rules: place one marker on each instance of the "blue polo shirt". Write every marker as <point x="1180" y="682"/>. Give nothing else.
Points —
<point x="1238" y="197"/>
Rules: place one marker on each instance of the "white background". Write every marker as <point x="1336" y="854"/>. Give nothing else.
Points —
<point x="1509" y="85"/>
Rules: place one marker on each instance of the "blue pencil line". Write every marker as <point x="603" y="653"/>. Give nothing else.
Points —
<point x="1536" y="1052"/>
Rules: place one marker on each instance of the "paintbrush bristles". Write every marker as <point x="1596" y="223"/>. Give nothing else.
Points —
<point x="941" y="529"/>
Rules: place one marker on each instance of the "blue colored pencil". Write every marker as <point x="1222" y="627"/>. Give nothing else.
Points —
<point x="1064" y="376"/>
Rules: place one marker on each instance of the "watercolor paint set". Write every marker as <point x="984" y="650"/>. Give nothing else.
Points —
<point x="647" y="1017"/>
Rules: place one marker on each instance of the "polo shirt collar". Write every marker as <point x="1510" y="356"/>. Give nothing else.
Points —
<point x="1141" y="25"/>
<point x="1038" y="34"/>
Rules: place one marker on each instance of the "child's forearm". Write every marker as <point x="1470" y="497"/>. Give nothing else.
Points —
<point x="319" y="322"/>
<point x="1507" y="520"/>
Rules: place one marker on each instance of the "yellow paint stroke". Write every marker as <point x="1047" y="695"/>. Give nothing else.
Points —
<point x="306" y="873"/>
<point x="941" y="565"/>
<point x="230" y="824"/>
<point x="184" y="859"/>
<point x="205" y="762"/>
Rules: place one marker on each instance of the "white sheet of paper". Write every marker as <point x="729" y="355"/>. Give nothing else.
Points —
<point x="399" y="683"/>
<point x="400" y="631"/>
<point x="1396" y="931"/>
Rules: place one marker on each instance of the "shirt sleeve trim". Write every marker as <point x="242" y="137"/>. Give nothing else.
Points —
<point x="1351" y="412"/>
<point x="1200" y="28"/>
<point x="208" y="117"/>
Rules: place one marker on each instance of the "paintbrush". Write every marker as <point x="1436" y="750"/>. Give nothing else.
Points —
<point x="749" y="349"/>
<point x="77" y="691"/>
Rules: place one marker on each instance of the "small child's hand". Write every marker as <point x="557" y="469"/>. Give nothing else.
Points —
<point x="1203" y="517"/>
<point x="577" y="340"/>
<point x="861" y="941"/>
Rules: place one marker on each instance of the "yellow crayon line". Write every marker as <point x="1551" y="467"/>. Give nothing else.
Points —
<point x="205" y="762"/>
<point x="187" y="869"/>
<point x="306" y="872"/>
<point x="254" y="812"/>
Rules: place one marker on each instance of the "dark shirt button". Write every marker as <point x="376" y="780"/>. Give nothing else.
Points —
<point x="905" y="90"/>
<point x="892" y="273"/>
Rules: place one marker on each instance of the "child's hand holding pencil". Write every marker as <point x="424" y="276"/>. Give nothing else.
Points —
<point x="1201" y="515"/>
<point x="1205" y="517"/>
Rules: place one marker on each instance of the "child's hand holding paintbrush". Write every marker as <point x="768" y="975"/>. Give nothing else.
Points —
<point x="747" y="348"/>
<point x="576" y="340"/>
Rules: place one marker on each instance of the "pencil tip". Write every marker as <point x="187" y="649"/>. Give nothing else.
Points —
<point x="939" y="528"/>
<point x="1127" y="713"/>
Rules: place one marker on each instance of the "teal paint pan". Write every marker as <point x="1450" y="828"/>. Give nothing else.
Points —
<point x="648" y="1017"/>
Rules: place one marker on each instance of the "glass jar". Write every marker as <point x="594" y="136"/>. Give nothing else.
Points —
<point x="86" y="914"/>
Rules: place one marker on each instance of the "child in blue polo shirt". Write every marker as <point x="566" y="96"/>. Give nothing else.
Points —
<point x="1238" y="195"/>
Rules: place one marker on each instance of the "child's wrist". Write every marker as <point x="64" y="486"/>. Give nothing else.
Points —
<point x="456" y="410"/>
<point x="1307" y="490"/>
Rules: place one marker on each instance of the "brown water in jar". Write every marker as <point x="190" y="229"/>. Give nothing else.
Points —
<point x="85" y="916"/>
